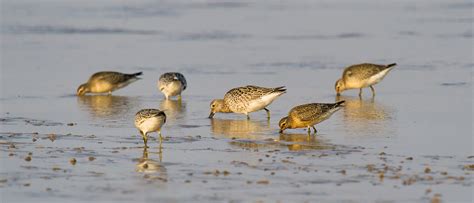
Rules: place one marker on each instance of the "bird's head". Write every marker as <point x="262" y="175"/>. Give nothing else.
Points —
<point x="217" y="105"/>
<point x="283" y="124"/>
<point x="83" y="89"/>
<point x="339" y="86"/>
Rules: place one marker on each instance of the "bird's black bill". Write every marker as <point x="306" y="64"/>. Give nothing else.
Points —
<point x="211" y="115"/>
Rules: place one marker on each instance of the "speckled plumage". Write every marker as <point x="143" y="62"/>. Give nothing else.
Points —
<point x="107" y="81"/>
<point x="308" y="115"/>
<point x="172" y="84"/>
<point x="247" y="99"/>
<point x="149" y="120"/>
<point x="362" y="75"/>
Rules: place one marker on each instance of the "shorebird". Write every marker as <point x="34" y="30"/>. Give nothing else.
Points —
<point x="107" y="81"/>
<point x="308" y="115"/>
<point x="149" y="120"/>
<point x="362" y="75"/>
<point x="246" y="99"/>
<point x="172" y="84"/>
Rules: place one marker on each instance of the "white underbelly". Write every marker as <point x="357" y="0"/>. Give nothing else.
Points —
<point x="261" y="103"/>
<point x="377" y="77"/>
<point x="171" y="89"/>
<point x="151" y="125"/>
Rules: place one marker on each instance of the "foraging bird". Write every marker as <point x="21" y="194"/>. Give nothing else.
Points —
<point x="172" y="84"/>
<point x="107" y="81"/>
<point x="362" y="75"/>
<point x="149" y="120"/>
<point x="308" y="115"/>
<point x="246" y="99"/>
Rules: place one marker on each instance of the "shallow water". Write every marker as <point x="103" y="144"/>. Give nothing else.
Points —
<point x="413" y="142"/>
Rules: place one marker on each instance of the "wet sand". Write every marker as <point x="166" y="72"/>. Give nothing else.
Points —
<point x="411" y="143"/>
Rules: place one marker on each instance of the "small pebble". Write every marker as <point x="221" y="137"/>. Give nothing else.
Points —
<point x="73" y="161"/>
<point x="427" y="170"/>
<point x="91" y="158"/>
<point x="52" y="137"/>
<point x="436" y="198"/>
<point x="28" y="158"/>
<point x="263" y="182"/>
<point x="469" y="167"/>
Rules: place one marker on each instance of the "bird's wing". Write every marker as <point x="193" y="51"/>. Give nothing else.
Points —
<point x="110" y="77"/>
<point x="362" y="71"/>
<point x="181" y="78"/>
<point x="306" y="112"/>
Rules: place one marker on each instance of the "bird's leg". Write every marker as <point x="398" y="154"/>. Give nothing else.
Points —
<point x="179" y="97"/>
<point x="145" y="138"/>
<point x="268" y="112"/>
<point x="360" y="92"/>
<point x="248" y="117"/>
<point x="145" y="153"/>
<point x="373" y="91"/>
<point x="309" y="133"/>
<point x="161" y="137"/>
<point x="315" y="131"/>
<point x="160" y="152"/>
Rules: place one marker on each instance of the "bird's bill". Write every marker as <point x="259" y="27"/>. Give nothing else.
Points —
<point x="338" y="94"/>
<point x="281" y="131"/>
<point x="211" y="115"/>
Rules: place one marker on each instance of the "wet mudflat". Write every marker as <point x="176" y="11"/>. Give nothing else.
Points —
<point x="411" y="143"/>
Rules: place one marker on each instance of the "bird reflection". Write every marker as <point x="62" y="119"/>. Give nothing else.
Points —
<point x="174" y="109"/>
<point x="147" y="165"/>
<point x="298" y="142"/>
<point x="365" y="115"/>
<point x="240" y="129"/>
<point x="294" y="142"/>
<point x="106" y="106"/>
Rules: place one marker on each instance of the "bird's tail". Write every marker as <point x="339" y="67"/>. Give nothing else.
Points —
<point x="390" y="65"/>
<point x="338" y="104"/>
<point x="137" y="74"/>
<point x="279" y="89"/>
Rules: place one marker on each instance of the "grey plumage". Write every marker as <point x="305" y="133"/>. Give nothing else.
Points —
<point x="149" y="120"/>
<point x="240" y="99"/>
<point x="172" y="84"/>
<point x="145" y="114"/>
<point x="246" y="99"/>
